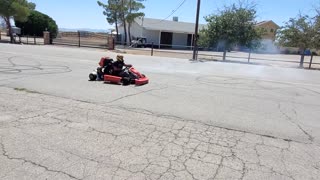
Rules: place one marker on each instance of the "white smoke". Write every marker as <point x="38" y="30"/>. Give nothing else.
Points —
<point x="268" y="46"/>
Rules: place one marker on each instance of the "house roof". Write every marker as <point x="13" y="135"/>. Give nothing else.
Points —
<point x="167" y="26"/>
<point x="176" y="26"/>
<point x="266" y="22"/>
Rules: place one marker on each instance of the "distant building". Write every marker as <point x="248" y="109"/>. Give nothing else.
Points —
<point x="164" y="33"/>
<point x="270" y="29"/>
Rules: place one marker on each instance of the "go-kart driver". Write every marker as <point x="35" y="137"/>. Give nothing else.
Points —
<point x="118" y="65"/>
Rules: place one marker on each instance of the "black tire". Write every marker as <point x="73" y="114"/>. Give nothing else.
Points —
<point x="126" y="81"/>
<point x="92" y="77"/>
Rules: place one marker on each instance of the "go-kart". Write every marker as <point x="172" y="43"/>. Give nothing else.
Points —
<point x="107" y="72"/>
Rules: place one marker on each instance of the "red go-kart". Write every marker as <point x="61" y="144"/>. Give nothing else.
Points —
<point x="109" y="72"/>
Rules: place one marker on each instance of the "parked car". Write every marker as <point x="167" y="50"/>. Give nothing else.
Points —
<point x="139" y="42"/>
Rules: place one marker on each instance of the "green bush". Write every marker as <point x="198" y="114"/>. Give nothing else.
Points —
<point x="37" y="23"/>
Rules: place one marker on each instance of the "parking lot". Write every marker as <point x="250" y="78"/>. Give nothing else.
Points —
<point x="194" y="120"/>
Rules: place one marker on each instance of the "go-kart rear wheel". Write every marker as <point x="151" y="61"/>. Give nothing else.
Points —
<point x="92" y="77"/>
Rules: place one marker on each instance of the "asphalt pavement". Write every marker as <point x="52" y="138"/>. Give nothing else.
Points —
<point x="194" y="120"/>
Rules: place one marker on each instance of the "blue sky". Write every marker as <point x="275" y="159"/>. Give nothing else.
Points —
<point x="87" y="14"/>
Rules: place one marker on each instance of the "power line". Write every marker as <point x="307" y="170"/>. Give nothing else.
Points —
<point x="173" y="11"/>
<point x="181" y="4"/>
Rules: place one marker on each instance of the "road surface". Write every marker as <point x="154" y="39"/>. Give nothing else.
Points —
<point x="195" y="120"/>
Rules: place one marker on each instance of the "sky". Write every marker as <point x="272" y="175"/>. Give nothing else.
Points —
<point x="78" y="14"/>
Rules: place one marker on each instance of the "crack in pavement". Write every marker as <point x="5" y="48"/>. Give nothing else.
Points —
<point x="135" y="94"/>
<point x="144" y="111"/>
<point x="135" y="143"/>
<point x="310" y="137"/>
<point x="5" y="153"/>
<point x="149" y="112"/>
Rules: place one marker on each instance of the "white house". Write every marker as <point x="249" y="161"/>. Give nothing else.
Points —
<point x="163" y="33"/>
<point x="180" y="35"/>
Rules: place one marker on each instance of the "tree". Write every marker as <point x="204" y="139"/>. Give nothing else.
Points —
<point x="116" y="11"/>
<point x="317" y="27"/>
<point x="37" y="23"/>
<point x="122" y="11"/>
<point x="19" y="9"/>
<point x="302" y="32"/>
<point x="112" y="11"/>
<point x="134" y="7"/>
<point x="204" y="40"/>
<point x="233" y="26"/>
<point x="317" y="33"/>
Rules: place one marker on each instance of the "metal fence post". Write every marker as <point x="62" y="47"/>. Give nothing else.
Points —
<point x="249" y="56"/>
<point x="311" y="61"/>
<point x="27" y="39"/>
<point x="79" y="39"/>
<point x="301" y="60"/>
<point x="152" y="49"/>
<point x="34" y="39"/>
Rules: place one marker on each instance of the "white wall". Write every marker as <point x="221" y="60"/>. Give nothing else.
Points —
<point x="136" y="31"/>
<point x="121" y="31"/>
<point x="152" y="36"/>
<point x="179" y="39"/>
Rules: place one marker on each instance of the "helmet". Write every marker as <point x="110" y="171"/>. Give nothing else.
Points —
<point x="120" y="58"/>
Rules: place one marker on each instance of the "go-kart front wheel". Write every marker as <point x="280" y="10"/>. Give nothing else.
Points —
<point x="126" y="81"/>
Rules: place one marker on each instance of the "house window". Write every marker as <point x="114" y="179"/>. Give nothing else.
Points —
<point x="272" y="30"/>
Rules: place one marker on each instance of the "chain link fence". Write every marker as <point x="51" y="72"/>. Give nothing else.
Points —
<point x="22" y="39"/>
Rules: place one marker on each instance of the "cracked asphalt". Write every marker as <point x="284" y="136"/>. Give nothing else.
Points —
<point x="193" y="121"/>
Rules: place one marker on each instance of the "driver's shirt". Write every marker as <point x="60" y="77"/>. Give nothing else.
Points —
<point x="118" y="65"/>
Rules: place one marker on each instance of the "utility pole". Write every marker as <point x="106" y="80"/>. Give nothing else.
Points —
<point x="195" y="39"/>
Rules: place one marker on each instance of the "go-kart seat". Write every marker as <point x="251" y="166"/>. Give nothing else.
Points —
<point x="105" y="61"/>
